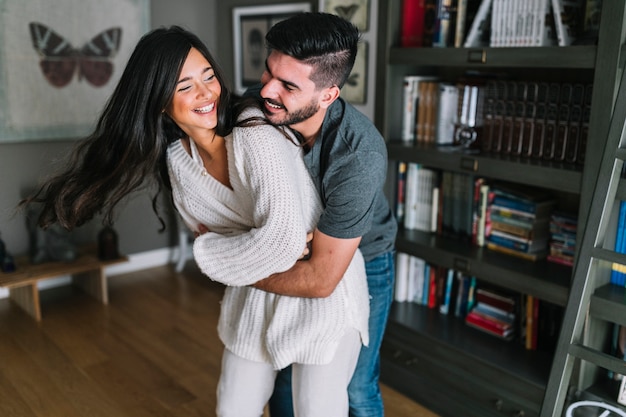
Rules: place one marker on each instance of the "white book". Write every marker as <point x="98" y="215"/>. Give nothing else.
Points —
<point x="496" y="24"/>
<point x="410" y="281"/>
<point x="566" y="13"/>
<point x="411" y="195"/>
<point x="517" y="16"/>
<point x="409" y="113"/>
<point x="447" y="113"/>
<point x="427" y="181"/>
<point x="402" y="275"/>
<point x="527" y="22"/>
<point x="480" y="23"/>
<point x="506" y="22"/>
<point x="418" y="279"/>
<point x="544" y="35"/>
<point x="410" y="97"/>
<point x="461" y="20"/>
<point x="482" y="222"/>
<point x="434" y="213"/>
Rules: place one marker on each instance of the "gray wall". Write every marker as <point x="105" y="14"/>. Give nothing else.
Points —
<point x="23" y="165"/>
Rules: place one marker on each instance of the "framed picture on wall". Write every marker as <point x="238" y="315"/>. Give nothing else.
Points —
<point x="60" y="61"/>
<point x="250" y="24"/>
<point x="355" y="11"/>
<point x="355" y="88"/>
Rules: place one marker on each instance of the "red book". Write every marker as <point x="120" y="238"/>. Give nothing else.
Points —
<point x="504" y="303"/>
<point x="432" y="287"/>
<point x="489" y="326"/>
<point x="412" y="30"/>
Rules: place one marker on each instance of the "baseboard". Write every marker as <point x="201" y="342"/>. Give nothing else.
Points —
<point x="136" y="262"/>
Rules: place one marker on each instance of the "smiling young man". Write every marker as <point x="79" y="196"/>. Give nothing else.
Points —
<point x="310" y="58"/>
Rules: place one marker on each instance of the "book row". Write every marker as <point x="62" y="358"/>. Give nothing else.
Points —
<point x="508" y="218"/>
<point x="523" y="318"/>
<point x="498" y="23"/>
<point x="547" y="121"/>
<point x="535" y="120"/>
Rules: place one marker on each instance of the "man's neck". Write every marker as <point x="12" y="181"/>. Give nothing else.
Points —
<point x="310" y="129"/>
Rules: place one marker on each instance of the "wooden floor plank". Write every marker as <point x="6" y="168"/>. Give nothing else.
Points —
<point x="11" y="401"/>
<point x="153" y="351"/>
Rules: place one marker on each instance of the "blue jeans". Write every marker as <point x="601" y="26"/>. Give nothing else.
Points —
<point x="363" y="391"/>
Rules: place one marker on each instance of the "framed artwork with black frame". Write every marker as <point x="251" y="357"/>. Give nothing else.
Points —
<point x="250" y="24"/>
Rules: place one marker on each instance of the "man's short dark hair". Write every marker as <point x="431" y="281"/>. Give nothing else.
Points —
<point x="325" y="41"/>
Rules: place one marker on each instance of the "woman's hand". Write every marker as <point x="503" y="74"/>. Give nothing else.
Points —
<point x="202" y="229"/>
<point x="307" y="250"/>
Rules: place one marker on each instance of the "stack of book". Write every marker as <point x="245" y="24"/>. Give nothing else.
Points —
<point x="493" y="313"/>
<point x="519" y="221"/>
<point x="562" y="238"/>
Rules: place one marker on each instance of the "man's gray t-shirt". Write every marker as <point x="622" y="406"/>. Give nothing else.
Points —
<point x="348" y="164"/>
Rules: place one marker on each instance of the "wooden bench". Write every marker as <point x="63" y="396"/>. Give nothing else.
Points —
<point x="86" y="271"/>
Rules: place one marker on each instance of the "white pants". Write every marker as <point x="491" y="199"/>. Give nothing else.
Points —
<point x="245" y="386"/>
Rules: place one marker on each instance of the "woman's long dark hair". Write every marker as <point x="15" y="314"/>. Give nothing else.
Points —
<point x="127" y="149"/>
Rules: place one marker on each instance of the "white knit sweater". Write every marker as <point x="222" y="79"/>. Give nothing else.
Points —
<point x="259" y="228"/>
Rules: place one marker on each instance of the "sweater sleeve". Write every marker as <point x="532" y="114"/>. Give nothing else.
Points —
<point x="266" y="163"/>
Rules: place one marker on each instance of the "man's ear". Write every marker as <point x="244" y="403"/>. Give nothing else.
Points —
<point x="329" y="95"/>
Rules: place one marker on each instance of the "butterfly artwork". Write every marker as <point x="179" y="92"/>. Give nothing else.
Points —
<point x="60" y="60"/>
<point x="354" y="11"/>
<point x="346" y="12"/>
<point x="353" y="79"/>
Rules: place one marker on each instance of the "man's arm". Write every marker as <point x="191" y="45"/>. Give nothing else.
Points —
<point x="317" y="277"/>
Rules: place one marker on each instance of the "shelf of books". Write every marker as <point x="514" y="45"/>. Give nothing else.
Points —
<point x="497" y="23"/>
<point x="546" y="280"/>
<point x="486" y="107"/>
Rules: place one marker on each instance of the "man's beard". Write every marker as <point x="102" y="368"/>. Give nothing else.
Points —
<point x="296" y="117"/>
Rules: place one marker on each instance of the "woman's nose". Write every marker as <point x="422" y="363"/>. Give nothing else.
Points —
<point x="206" y="91"/>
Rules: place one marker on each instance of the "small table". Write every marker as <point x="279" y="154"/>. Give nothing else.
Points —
<point x="87" y="272"/>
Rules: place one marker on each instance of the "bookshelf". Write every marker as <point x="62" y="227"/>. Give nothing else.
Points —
<point x="438" y="360"/>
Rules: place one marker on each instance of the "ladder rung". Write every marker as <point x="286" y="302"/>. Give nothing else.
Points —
<point x="608" y="303"/>
<point x="601" y="359"/>
<point x="609" y="255"/>
<point x="620" y="154"/>
<point x="620" y="194"/>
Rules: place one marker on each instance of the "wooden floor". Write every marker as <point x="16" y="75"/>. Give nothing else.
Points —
<point x="153" y="351"/>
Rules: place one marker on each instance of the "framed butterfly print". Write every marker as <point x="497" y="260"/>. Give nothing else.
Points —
<point x="60" y="61"/>
<point x="355" y="88"/>
<point x="250" y="24"/>
<point x="355" y="11"/>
